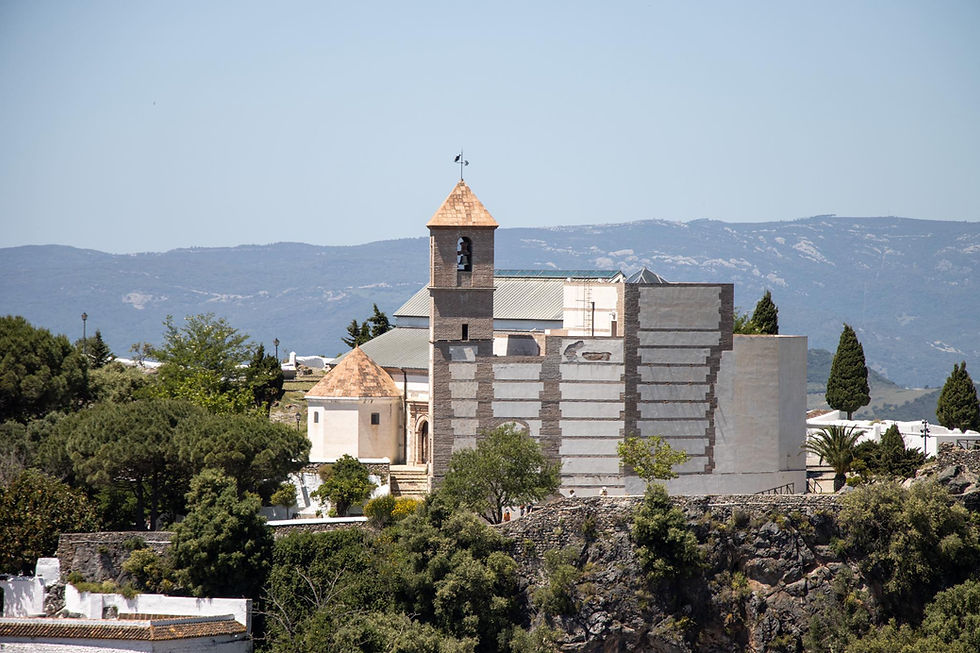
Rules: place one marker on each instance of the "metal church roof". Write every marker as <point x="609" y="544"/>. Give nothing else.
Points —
<point x="514" y="299"/>
<point x="606" y="275"/>
<point x="520" y="294"/>
<point x="402" y="347"/>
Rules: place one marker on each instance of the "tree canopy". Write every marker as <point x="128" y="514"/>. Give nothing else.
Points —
<point x="958" y="407"/>
<point x="34" y="510"/>
<point x="650" y="458"/>
<point x="223" y="546"/>
<point x="742" y="323"/>
<point x="909" y="542"/>
<point x="250" y="449"/>
<point x="847" y="386"/>
<point x="131" y="446"/>
<point x="39" y="372"/>
<point x="200" y="362"/>
<point x="345" y="483"/>
<point x="507" y="468"/>
<point x="264" y="378"/>
<point x="95" y="350"/>
<point x="372" y="327"/>
<point x="766" y="315"/>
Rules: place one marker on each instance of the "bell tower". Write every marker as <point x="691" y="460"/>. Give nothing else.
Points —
<point x="461" y="235"/>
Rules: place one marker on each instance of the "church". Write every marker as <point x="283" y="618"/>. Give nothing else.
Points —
<point x="581" y="359"/>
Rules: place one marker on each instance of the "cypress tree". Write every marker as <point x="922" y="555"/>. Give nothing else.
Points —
<point x="957" y="407"/>
<point x="766" y="315"/>
<point x="847" y="386"/>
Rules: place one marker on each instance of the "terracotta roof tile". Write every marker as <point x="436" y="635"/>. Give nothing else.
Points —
<point x="462" y="209"/>
<point x="355" y="376"/>
<point x="164" y="628"/>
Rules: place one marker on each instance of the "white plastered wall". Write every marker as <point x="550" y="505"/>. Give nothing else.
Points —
<point x="760" y="420"/>
<point x="342" y="425"/>
<point x="579" y="317"/>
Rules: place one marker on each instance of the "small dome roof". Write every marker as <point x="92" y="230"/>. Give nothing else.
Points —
<point x="355" y="376"/>
<point x="646" y="276"/>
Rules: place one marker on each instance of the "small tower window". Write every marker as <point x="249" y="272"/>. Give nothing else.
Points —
<point x="375" y="418"/>
<point x="316" y="417"/>
<point x="464" y="255"/>
<point x="466" y="332"/>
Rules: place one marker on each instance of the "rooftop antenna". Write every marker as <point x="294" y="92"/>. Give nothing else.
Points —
<point x="462" y="162"/>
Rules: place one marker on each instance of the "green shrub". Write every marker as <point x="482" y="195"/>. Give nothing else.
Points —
<point x="150" y="572"/>
<point x="557" y="595"/>
<point x="842" y="615"/>
<point x="664" y="543"/>
<point x="133" y="543"/>
<point x="910" y="542"/>
<point x="345" y="484"/>
<point x="404" y="506"/>
<point x="380" y="510"/>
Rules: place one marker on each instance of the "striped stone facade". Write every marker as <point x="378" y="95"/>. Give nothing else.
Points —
<point x="671" y="372"/>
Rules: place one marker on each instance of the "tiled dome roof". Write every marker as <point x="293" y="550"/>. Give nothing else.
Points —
<point x="462" y="209"/>
<point x="355" y="376"/>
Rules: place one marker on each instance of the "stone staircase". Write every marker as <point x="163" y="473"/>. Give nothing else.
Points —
<point x="820" y="479"/>
<point x="409" y="481"/>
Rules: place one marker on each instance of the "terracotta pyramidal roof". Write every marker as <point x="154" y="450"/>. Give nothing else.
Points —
<point x="462" y="209"/>
<point x="355" y="376"/>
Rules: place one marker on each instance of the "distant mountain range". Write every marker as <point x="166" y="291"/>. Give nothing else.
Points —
<point x="910" y="288"/>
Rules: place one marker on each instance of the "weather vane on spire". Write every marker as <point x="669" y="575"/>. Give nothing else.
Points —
<point x="462" y="162"/>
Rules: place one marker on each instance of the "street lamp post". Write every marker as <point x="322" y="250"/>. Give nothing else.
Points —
<point x="298" y="418"/>
<point x="276" y="343"/>
<point x="84" y="343"/>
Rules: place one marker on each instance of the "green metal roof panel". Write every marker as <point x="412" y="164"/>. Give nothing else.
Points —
<point x="400" y="347"/>
<point x="521" y="294"/>
<point x="514" y="299"/>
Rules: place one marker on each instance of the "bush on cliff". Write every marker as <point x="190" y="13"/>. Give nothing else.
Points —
<point x="909" y="543"/>
<point x="665" y="545"/>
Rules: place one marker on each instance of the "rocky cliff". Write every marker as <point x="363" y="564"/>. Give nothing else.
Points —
<point x="767" y="561"/>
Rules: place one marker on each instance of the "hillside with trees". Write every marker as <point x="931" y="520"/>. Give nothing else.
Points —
<point x="888" y="566"/>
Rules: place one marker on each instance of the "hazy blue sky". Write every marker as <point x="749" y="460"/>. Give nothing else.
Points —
<point x="134" y="126"/>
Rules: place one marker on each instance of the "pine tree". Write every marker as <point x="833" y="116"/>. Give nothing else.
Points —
<point x="766" y="315"/>
<point x="847" y="386"/>
<point x="372" y="327"/>
<point x="379" y="323"/>
<point x="958" y="407"/>
<point x="359" y="333"/>
<point x="99" y="353"/>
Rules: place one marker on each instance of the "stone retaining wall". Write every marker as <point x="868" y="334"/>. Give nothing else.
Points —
<point x="560" y="523"/>
<point x="100" y="556"/>
<point x="950" y="455"/>
<point x="317" y="527"/>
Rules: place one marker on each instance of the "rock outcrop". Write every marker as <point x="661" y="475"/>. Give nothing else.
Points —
<point x="767" y="562"/>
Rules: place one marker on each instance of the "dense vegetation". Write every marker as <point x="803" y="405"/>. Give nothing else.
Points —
<point x="88" y="444"/>
<point x="87" y="447"/>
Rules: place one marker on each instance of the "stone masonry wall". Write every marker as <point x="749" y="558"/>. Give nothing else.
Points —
<point x="100" y="556"/>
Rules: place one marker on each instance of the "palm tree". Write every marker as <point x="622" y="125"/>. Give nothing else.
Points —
<point x="835" y="444"/>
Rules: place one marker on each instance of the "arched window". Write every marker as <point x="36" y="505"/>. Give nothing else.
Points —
<point x="422" y="443"/>
<point x="464" y="254"/>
